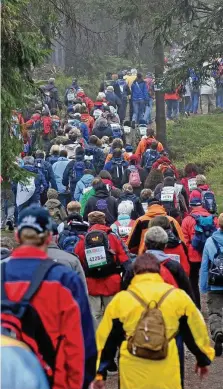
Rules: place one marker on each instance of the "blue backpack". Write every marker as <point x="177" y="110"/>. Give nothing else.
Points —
<point x="40" y="164"/>
<point x="79" y="168"/>
<point x="96" y="157"/>
<point x="116" y="130"/>
<point x="151" y="156"/>
<point x="204" y="228"/>
<point x="208" y="201"/>
<point x="68" y="240"/>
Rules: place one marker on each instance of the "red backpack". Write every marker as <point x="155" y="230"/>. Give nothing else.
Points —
<point x="47" y="125"/>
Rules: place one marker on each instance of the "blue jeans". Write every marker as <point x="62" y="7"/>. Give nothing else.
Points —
<point x="219" y="98"/>
<point x="138" y="110"/>
<point x="172" y="109"/>
<point x="148" y="111"/>
<point x="194" y="101"/>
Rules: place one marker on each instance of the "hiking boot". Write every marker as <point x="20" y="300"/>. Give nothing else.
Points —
<point x="112" y="369"/>
<point x="218" y="344"/>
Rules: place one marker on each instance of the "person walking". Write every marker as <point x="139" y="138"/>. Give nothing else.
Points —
<point x="211" y="282"/>
<point x="139" y="97"/>
<point x="208" y="99"/>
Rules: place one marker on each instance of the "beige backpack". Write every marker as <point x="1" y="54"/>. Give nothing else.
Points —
<point x="149" y="339"/>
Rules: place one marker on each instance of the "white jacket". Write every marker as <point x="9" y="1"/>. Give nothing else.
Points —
<point x="208" y="87"/>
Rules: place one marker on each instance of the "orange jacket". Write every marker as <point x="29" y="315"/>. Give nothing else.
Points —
<point x="135" y="241"/>
<point x="188" y="225"/>
<point x="142" y="146"/>
<point x="125" y="156"/>
<point x="88" y="120"/>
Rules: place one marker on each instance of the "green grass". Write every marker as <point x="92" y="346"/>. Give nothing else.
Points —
<point x="200" y="140"/>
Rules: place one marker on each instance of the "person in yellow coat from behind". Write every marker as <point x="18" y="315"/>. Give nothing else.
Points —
<point x="181" y="318"/>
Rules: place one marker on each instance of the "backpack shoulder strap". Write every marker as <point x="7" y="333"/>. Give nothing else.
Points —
<point x="217" y="246"/>
<point x="141" y="301"/>
<point x="164" y="297"/>
<point x="37" y="278"/>
<point x="3" y="292"/>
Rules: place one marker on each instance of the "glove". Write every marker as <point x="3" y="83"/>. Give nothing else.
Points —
<point x="201" y="371"/>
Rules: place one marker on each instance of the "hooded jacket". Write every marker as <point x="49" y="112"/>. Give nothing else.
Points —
<point x="210" y="251"/>
<point x="52" y="159"/>
<point x="47" y="170"/>
<point x="178" y="251"/>
<point x="89" y="103"/>
<point x="113" y="99"/>
<point x="88" y="120"/>
<point x="184" y="182"/>
<point x="180" y="316"/>
<point x="58" y="170"/>
<point x="67" y="259"/>
<point x="63" y="306"/>
<point x="164" y="159"/>
<point x="136" y="239"/>
<point x="102" y="202"/>
<point x="83" y="184"/>
<point x="53" y="204"/>
<point x="100" y="130"/>
<point x="110" y="285"/>
<point x="188" y="225"/>
<point x="138" y="209"/>
<point x="139" y="90"/>
<point x="143" y="144"/>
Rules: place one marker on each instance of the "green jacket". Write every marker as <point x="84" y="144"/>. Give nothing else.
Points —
<point x="84" y="199"/>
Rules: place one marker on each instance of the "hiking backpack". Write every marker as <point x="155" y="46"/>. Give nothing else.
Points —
<point x="134" y="178"/>
<point x="68" y="240"/>
<point x="164" y="166"/>
<point x="79" y="168"/>
<point x="149" y="340"/>
<point x="117" y="171"/>
<point x="96" y="157"/>
<point x="203" y="229"/>
<point x="208" y="200"/>
<point x="168" y="198"/>
<point x="116" y="130"/>
<point x="47" y="125"/>
<point x="41" y="166"/>
<point x="150" y="157"/>
<point x="20" y="320"/>
<point x="71" y="95"/>
<point x="215" y="274"/>
<point x="99" y="258"/>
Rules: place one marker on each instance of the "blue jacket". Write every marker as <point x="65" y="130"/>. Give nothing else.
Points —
<point x="52" y="159"/>
<point x="24" y="365"/>
<point x="40" y="182"/>
<point x="58" y="170"/>
<point x="139" y="91"/>
<point x="208" y="256"/>
<point x="46" y="169"/>
<point x="113" y="99"/>
<point x="82" y="126"/>
<point x="83" y="183"/>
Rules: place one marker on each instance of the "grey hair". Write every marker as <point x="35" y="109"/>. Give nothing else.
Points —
<point x="28" y="160"/>
<point x="156" y="234"/>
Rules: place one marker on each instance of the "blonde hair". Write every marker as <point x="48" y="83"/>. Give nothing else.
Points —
<point x="200" y="179"/>
<point x="30" y="237"/>
<point x="73" y="206"/>
<point x="55" y="149"/>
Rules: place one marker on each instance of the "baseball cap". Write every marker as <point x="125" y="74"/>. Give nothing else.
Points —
<point x="35" y="217"/>
<point x="195" y="202"/>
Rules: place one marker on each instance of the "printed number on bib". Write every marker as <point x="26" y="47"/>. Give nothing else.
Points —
<point x="96" y="257"/>
<point x="70" y="96"/>
<point x="192" y="184"/>
<point x="165" y="196"/>
<point x="174" y="257"/>
<point x="127" y="129"/>
<point x="123" y="231"/>
<point x="142" y="131"/>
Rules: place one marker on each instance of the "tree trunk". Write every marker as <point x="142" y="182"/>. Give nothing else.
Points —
<point x="160" y="104"/>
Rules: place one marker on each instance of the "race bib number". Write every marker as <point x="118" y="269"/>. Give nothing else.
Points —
<point x="96" y="257"/>
<point x="174" y="257"/>
<point x="25" y="191"/>
<point x="192" y="184"/>
<point x="145" y="206"/>
<point x="167" y="194"/>
<point x="124" y="231"/>
<point x="70" y="96"/>
<point x="142" y="131"/>
<point x="127" y="129"/>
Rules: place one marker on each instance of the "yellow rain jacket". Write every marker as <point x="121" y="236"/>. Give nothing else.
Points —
<point x="120" y="320"/>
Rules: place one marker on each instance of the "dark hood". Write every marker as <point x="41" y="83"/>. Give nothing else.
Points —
<point x="173" y="241"/>
<point x="128" y="196"/>
<point x="101" y="193"/>
<point x="31" y="168"/>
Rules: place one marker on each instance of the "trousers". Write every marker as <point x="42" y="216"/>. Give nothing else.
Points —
<point x="215" y="311"/>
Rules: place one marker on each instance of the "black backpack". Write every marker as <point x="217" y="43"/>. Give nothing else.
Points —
<point x="215" y="274"/>
<point x="20" y="320"/>
<point x="99" y="258"/>
<point x="117" y="171"/>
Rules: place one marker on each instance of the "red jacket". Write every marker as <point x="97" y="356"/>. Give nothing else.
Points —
<point x="88" y="120"/>
<point x="89" y="103"/>
<point x="62" y="305"/>
<point x="111" y="285"/>
<point x="166" y="161"/>
<point x="196" y="193"/>
<point x="187" y="226"/>
<point x="179" y="250"/>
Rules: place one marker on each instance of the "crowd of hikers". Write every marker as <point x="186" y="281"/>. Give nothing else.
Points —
<point x="113" y="246"/>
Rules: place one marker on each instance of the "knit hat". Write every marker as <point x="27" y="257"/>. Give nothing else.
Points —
<point x="125" y="208"/>
<point x="96" y="217"/>
<point x="35" y="217"/>
<point x="156" y="234"/>
<point x="52" y="194"/>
